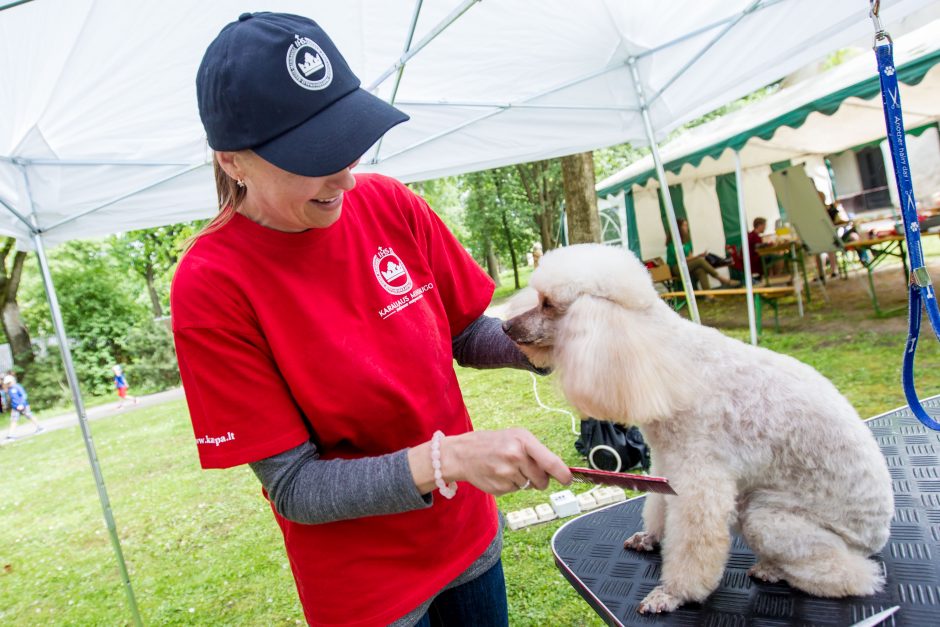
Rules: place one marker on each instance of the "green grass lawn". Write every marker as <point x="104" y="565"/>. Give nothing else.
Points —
<point x="203" y="548"/>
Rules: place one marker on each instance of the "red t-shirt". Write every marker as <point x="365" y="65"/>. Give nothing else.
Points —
<point x="341" y="335"/>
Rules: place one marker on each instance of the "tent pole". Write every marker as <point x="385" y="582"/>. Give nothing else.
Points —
<point x="698" y="55"/>
<point x="77" y="398"/>
<point x="745" y="248"/>
<point x="401" y="70"/>
<point x="83" y="421"/>
<point x="437" y="30"/>
<point x="664" y="190"/>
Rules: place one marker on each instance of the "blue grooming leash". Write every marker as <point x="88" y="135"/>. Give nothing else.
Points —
<point x="921" y="289"/>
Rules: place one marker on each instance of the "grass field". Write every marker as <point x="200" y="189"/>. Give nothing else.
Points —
<point x="203" y="548"/>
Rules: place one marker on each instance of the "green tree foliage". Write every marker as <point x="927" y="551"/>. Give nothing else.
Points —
<point x="101" y="312"/>
<point x="151" y="254"/>
<point x="544" y="188"/>
<point x="444" y="197"/>
<point x="498" y="218"/>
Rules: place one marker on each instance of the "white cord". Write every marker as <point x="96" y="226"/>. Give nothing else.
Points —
<point x="535" y="389"/>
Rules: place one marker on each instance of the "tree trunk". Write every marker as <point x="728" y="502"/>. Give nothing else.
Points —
<point x="492" y="263"/>
<point x="545" y="233"/>
<point x="584" y="223"/>
<point x="17" y="335"/>
<point x="152" y="290"/>
<point x="13" y="326"/>
<point x="512" y="250"/>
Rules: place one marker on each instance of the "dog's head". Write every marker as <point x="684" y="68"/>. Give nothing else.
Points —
<point x="573" y="277"/>
<point x="593" y="315"/>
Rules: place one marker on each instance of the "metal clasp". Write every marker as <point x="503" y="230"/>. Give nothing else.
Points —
<point x="880" y="33"/>
<point x="920" y="277"/>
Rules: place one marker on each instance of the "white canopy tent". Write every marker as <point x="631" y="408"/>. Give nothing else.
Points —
<point x="824" y="115"/>
<point x="99" y="130"/>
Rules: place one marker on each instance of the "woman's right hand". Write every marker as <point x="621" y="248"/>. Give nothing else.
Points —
<point x="496" y="462"/>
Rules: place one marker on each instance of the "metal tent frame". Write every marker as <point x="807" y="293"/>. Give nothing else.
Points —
<point x="720" y="28"/>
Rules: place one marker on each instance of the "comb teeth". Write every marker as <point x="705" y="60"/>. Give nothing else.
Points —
<point x="641" y="483"/>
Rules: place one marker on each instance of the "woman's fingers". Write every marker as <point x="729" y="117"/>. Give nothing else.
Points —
<point x="504" y="461"/>
<point x="547" y="463"/>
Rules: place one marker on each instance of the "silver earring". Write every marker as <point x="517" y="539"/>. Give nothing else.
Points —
<point x="240" y="182"/>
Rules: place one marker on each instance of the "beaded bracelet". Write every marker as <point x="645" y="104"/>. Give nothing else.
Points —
<point x="447" y="491"/>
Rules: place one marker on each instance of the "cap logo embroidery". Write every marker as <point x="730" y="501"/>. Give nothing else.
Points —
<point x="391" y="272"/>
<point x="305" y="61"/>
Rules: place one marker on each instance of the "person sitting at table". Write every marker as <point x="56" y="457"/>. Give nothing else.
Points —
<point x="846" y="232"/>
<point x="844" y="227"/>
<point x="755" y="239"/>
<point x="699" y="268"/>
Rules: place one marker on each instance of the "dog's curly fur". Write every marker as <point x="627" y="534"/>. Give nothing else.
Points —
<point x="749" y="438"/>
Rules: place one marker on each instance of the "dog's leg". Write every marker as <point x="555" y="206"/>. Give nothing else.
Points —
<point x="696" y="542"/>
<point x="809" y="557"/>
<point x="654" y="521"/>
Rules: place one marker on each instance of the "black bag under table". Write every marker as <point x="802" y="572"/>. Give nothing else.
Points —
<point x="589" y="552"/>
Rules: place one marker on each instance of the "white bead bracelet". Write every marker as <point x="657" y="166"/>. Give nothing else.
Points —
<point x="447" y="491"/>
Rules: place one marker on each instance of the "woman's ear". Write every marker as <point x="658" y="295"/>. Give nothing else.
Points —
<point x="231" y="163"/>
<point x="614" y="363"/>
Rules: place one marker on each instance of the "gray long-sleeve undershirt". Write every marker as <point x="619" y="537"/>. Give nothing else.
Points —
<point x="307" y="489"/>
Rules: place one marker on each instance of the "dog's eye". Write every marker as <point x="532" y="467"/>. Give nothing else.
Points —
<point x="546" y="304"/>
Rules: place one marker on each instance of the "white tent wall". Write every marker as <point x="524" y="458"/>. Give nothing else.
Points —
<point x="760" y="201"/>
<point x="649" y="224"/>
<point x="703" y="210"/>
<point x="704" y="214"/>
<point x="924" y="156"/>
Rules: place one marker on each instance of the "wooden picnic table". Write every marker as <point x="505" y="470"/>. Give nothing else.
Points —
<point x="881" y="249"/>
<point x="762" y="294"/>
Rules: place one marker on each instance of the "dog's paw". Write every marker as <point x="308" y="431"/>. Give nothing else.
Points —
<point x="765" y="572"/>
<point x="659" y="601"/>
<point x="641" y="541"/>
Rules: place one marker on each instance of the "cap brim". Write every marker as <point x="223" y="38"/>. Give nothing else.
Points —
<point x="333" y="138"/>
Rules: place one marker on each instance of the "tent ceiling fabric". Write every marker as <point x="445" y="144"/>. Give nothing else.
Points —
<point x="99" y="131"/>
<point x="825" y="114"/>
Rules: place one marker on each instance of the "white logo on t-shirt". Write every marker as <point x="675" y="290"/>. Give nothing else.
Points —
<point x="391" y="272"/>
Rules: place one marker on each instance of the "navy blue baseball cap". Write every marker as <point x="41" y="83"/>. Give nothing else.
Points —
<point x="275" y="83"/>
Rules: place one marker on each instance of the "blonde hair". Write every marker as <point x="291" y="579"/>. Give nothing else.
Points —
<point x="230" y="196"/>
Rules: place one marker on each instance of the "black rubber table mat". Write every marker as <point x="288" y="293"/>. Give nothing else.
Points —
<point x="589" y="552"/>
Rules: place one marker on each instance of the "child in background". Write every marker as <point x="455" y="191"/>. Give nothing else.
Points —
<point x="19" y="405"/>
<point x="120" y="382"/>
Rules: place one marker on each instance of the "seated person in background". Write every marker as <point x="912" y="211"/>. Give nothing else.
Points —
<point x="698" y="267"/>
<point x="755" y="240"/>
<point x="847" y="233"/>
<point x="844" y="227"/>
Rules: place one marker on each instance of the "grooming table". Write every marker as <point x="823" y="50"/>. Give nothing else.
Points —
<point x="589" y="552"/>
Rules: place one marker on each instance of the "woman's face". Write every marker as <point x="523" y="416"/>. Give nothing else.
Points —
<point x="283" y="201"/>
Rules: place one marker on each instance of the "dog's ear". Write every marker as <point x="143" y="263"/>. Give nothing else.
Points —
<point x="612" y="363"/>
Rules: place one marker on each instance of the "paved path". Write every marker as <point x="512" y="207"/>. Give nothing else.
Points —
<point x="24" y="428"/>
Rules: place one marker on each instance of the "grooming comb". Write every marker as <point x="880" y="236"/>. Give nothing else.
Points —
<point x="641" y="483"/>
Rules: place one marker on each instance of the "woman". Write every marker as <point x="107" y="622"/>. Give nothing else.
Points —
<point x="338" y="303"/>
<point x="699" y="268"/>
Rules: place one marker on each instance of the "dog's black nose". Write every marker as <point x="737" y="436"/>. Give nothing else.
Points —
<point x="507" y="324"/>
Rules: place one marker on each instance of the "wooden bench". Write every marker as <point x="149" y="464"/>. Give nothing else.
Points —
<point x="762" y="295"/>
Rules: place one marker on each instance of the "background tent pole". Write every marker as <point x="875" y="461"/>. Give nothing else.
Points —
<point x="664" y="190"/>
<point x="745" y="248"/>
<point x="77" y="398"/>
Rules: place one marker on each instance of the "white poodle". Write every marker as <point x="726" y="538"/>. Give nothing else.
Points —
<point x="748" y="438"/>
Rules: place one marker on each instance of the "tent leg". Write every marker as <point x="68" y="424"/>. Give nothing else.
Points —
<point x="83" y="421"/>
<point x="667" y="198"/>
<point x="745" y="249"/>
